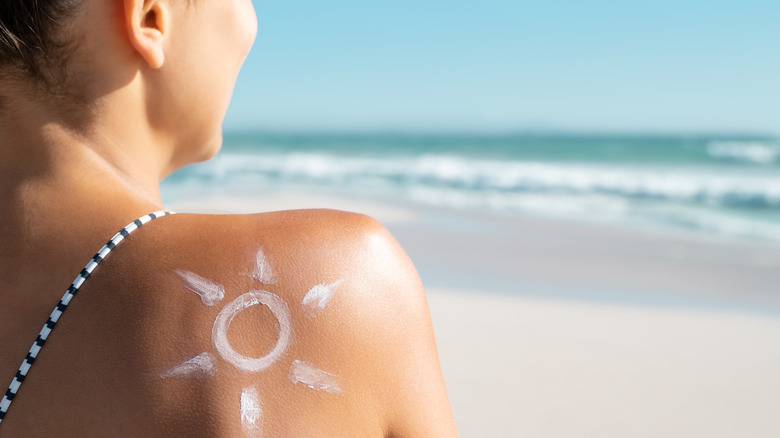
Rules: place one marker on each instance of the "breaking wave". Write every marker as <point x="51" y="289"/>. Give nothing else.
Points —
<point x="700" y="186"/>
<point x="729" y="200"/>
<point x="755" y="152"/>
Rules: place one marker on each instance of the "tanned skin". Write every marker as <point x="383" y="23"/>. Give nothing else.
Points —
<point x="149" y="85"/>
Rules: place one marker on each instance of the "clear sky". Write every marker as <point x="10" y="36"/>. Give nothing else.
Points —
<point x="690" y="66"/>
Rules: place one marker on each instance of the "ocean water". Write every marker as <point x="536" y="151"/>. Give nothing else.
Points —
<point x="723" y="186"/>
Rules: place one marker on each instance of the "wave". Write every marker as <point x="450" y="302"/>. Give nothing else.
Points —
<point x="754" y="152"/>
<point x="609" y="209"/>
<point x="741" y="201"/>
<point x="705" y="186"/>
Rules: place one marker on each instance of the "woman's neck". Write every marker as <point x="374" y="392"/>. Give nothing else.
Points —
<point x="38" y="150"/>
<point x="63" y="192"/>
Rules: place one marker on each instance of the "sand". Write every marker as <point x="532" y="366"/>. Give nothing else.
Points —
<point x="560" y="329"/>
<point x="520" y="367"/>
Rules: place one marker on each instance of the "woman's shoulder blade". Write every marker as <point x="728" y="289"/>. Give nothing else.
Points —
<point x="201" y="317"/>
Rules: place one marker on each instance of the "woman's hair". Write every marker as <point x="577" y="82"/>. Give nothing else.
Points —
<point x="30" y="32"/>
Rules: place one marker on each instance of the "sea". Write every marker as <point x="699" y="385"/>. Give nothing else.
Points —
<point x="725" y="186"/>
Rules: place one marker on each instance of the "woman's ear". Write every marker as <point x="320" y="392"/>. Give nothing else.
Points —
<point x="146" y="27"/>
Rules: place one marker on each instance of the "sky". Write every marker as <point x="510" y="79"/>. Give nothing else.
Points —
<point x="641" y="66"/>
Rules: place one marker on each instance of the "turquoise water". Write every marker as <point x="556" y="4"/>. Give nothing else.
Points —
<point x="727" y="186"/>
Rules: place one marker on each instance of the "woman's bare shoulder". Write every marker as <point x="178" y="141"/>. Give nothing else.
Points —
<point x="298" y="323"/>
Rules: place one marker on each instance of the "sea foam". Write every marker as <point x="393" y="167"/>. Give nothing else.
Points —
<point x="722" y="186"/>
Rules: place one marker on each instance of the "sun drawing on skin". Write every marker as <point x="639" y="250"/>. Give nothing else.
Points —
<point x="205" y="364"/>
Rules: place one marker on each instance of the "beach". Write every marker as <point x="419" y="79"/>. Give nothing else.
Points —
<point x="555" y="328"/>
<point x="549" y="368"/>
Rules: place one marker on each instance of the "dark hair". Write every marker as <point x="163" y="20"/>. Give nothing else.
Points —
<point x="29" y="36"/>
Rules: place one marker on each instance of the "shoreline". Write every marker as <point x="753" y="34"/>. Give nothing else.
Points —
<point x="547" y="258"/>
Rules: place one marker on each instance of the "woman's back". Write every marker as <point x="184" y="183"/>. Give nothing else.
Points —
<point x="177" y="333"/>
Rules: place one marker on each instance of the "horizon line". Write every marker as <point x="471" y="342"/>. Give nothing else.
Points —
<point x="753" y="135"/>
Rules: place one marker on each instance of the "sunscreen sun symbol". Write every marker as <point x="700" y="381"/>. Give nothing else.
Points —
<point x="205" y="364"/>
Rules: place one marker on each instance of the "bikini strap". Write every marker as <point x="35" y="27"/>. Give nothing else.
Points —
<point x="63" y="304"/>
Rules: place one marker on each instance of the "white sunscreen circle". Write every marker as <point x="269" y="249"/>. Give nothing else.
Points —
<point x="225" y="318"/>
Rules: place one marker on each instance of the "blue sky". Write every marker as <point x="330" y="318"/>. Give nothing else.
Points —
<point x="690" y="66"/>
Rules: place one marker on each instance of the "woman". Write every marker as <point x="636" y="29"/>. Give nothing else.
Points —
<point x="303" y="323"/>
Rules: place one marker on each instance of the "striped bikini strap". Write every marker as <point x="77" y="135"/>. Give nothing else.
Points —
<point x="63" y="304"/>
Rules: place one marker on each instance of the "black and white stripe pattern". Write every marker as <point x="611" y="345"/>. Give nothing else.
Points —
<point x="63" y="304"/>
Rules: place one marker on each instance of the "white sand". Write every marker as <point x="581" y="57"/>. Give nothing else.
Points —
<point x="518" y="367"/>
